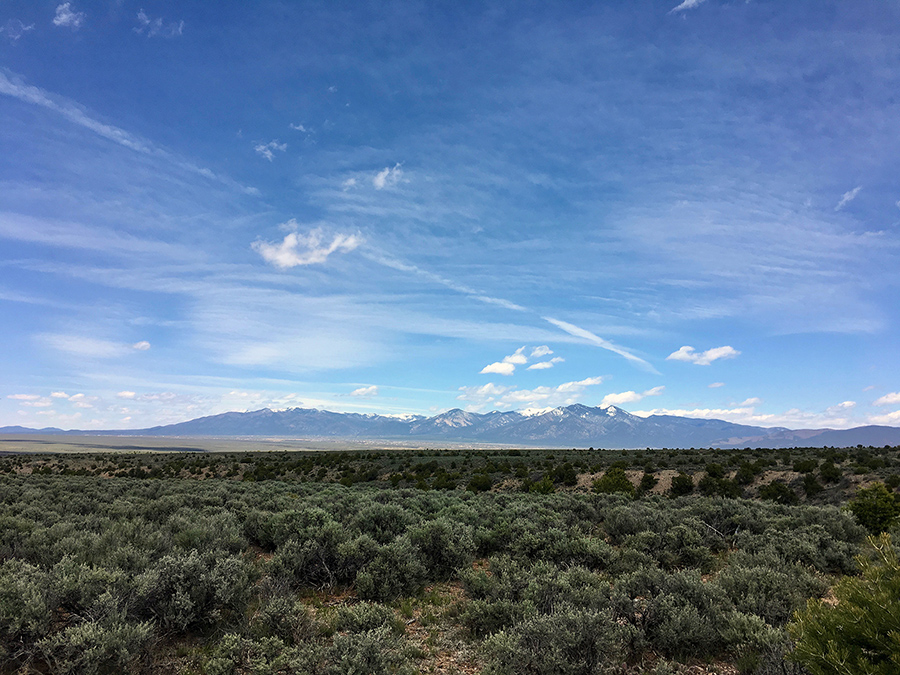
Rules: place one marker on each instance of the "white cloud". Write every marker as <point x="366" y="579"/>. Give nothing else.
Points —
<point x="153" y="27"/>
<point x="508" y="365"/>
<point x="269" y="149"/>
<point x="347" y="184"/>
<point x="365" y="391"/>
<point x="299" y="249"/>
<point x="542" y="350"/>
<point x="58" y="394"/>
<point x="40" y="403"/>
<point x="688" y="355"/>
<point x="630" y="396"/>
<point x="848" y="197"/>
<point x="544" y="365"/>
<point x="141" y="346"/>
<point x="14" y="29"/>
<point x="888" y="399"/>
<point x="77" y="397"/>
<point x="687" y="4"/>
<point x="66" y="16"/>
<point x="577" y="331"/>
<point x="24" y="397"/>
<point x="891" y="419"/>
<point x="298" y="127"/>
<point x="716" y="385"/>
<point x="500" y="368"/>
<point x="387" y="177"/>
<point x="834" y="417"/>
<point x="510" y="398"/>
<point x="517" y="358"/>
<point x="750" y="402"/>
<point x="126" y="394"/>
<point x="840" y="408"/>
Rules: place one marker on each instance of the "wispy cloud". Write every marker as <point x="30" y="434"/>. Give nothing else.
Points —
<point x="305" y="249"/>
<point x="87" y="347"/>
<point x="14" y="29"/>
<point x="569" y="328"/>
<point x="545" y="365"/>
<point x="540" y="351"/>
<point x="16" y="88"/>
<point x="365" y="391"/>
<point x="848" y="197"/>
<point x="298" y="127"/>
<point x="687" y="4"/>
<point x="716" y="385"/>
<point x="577" y="331"/>
<point x="156" y="27"/>
<point x="24" y="397"/>
<point x="387" y="177"/>
<point x="68" y="17"/>
<point x="689" y="355"/>
<point x="141" y="346"/>
<point x="268" y="150"/>
<point x="126" y="394"/>
<point x="630" y="396"/>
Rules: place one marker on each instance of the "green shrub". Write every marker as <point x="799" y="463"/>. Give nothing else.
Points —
<point x="811" y="486"/>
<point x="396" y="571"/>
<point x="648" y="482"/>
<point x="283" y="618"/>
<point x="366" y="616"/>
<point x="27" y="598"/>
<point x="876" y="507"/>
<point x="829" y="472"/>
<point x="566" y="642"/>
<point x="682" y="484"/>
<point x="94" y="648"/>
<point x="715" y="470"/>
<point x="614" y="480"/>
<point x="858" y="634"/>
<point x="481" y="482"/>
<point x="777" y="491"/>
<point x="443" y="546"/>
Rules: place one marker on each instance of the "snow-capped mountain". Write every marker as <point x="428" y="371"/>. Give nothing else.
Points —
<point x="571" y="426"/>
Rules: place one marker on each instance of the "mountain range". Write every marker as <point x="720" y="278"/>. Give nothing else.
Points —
<point x="575" y="425"/>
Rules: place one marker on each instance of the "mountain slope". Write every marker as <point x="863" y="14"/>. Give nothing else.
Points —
<point x="574" y="425"/>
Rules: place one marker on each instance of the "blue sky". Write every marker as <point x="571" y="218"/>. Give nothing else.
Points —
<point x="405" y="207"/>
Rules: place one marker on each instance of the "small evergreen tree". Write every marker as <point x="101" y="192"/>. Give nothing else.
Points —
<point x="861" y="633"/>
<point x="614" y="480"/>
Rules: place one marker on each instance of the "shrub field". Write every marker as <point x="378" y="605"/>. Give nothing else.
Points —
<point x="495" y="562"/>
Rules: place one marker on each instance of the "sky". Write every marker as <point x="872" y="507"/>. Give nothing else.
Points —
<point x="408" y="207"/>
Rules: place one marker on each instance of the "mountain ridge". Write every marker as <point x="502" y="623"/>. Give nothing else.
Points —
<point x="574" y="425"/>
